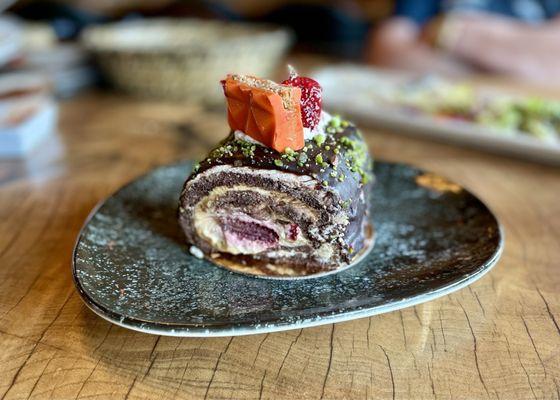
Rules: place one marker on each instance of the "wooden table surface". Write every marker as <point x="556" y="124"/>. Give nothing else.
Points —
<point x="498" y="338"/>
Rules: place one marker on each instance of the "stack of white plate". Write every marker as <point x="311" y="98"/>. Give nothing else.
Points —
<point x="28" y="115"/>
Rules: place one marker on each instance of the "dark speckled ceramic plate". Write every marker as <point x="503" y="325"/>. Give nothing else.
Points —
<point x="132" y="268"/>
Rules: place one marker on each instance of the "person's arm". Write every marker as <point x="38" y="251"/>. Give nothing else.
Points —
<point x="396" y="44"/>
<point x="504" y="45"/>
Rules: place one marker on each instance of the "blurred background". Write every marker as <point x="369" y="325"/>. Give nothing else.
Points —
<point x="404" y="65"/>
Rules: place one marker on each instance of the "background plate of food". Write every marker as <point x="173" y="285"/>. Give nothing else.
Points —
<point x="457" y="112"/>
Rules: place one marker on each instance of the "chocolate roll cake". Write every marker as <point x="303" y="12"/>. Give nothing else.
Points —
<point x="297" y="212"/>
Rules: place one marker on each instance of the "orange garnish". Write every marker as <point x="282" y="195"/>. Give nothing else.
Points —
<point x="264" y="115"/>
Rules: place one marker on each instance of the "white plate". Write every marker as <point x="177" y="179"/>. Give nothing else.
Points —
<point x="18" y="140"/>
<point x="346" y="90"/>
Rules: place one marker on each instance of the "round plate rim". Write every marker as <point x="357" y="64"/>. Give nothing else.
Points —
<point x="185" y="330"/>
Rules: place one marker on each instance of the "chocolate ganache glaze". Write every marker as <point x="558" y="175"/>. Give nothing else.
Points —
<point x="304" y="211"/>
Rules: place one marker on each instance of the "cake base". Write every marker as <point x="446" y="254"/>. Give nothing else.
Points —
<point x="249" y="266"/>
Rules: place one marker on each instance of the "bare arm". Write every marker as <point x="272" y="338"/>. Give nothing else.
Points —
<point x="504" y="45"/>
<point x="397" y="43"/>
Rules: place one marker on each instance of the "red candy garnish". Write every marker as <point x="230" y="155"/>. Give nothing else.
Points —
<point x="311" y="99"/>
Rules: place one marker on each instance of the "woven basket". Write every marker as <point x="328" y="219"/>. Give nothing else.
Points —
<point x="184" y="59"/>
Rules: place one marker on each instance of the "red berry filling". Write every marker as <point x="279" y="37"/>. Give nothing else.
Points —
<point x="250" y="231"/>
<point x="311" y="99"/>
<point x="293" y="232"/>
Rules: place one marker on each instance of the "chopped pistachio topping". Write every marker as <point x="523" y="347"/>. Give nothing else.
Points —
<point x="223" y="150"/>
<point x="319" y="160"/>
<point x="365" y="177"/>
<point x="247" y="148"/>
<point x="335" y="121"/>
<point x="319" y="139"/>
<point x="356" y="156"/>
<point x="349" y="143"/>
<point x="289" y="154"/>
<point x="278" y="163"/>
<point x="336" y="124"/>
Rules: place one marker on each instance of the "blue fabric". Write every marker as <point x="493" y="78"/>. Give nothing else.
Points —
<point x="419" y="11"/>
<point x="526" y="10"/>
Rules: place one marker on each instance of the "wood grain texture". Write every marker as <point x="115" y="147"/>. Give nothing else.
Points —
<point x="497" y="339"/>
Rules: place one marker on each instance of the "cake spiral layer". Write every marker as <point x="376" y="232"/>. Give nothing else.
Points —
<point x="305" y="210"/>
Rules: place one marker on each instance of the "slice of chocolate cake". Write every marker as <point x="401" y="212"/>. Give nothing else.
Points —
<point x="253" y="208"/>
